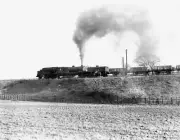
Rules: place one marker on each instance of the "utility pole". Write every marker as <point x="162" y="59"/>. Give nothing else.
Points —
<point x="126" y="62"/>
<point x="123" y="66"/>
<point x="123" y="62"/>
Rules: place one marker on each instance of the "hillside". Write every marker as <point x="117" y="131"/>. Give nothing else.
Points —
<point x="97" y="89"/>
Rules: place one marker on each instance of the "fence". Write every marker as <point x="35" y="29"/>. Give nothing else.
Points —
<point x="16" y="97"/>
<point x="117" y="100"/>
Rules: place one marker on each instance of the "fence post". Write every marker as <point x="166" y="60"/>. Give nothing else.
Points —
<point x="157" y="101"/>
<point x="117" y="99"/>
<point x="121" y="100"/>
<point x="145" y="100"/>
<point x="171" y="101"/>
<point x="54" y="97"/>
<point x="162" y="99"/>
<point x="149" y="100"/>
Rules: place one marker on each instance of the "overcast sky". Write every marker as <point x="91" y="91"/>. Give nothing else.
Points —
<point x="38" y="33"/>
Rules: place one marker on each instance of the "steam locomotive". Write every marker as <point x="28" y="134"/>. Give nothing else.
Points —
<point x="61" y="72"/>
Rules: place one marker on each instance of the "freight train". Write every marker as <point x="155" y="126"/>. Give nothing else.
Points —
<point x="82" y="71"/>
<point x="156" y="70"/>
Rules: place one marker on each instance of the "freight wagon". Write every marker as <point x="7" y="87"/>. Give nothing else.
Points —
<point x="178" y="68"/>
<point x="166" y="69"/>
<point x="117" y="71"/>
<point x="139" y="70"/>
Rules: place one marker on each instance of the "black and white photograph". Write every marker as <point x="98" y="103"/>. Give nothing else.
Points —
<point x="89" y="70"/>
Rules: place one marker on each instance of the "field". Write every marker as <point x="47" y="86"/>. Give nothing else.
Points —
<point x="59" y="121"/>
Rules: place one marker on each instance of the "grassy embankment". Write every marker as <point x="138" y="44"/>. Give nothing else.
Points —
<point x="96" y="89"/>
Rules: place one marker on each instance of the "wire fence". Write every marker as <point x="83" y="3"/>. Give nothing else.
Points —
<point x="117" y="100"/>
<point x="15" y="97"/>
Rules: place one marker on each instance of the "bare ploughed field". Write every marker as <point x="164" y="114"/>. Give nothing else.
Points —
<point x="35" y="120"/>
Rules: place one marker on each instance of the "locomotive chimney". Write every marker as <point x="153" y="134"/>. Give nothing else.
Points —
<point x="81" y="62"/>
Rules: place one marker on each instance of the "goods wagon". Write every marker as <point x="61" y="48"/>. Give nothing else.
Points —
<point x="178" y="67"/>
<point x="139" y="70"/>
<point x="117" y="71"/>
<point x="166" y="69"/>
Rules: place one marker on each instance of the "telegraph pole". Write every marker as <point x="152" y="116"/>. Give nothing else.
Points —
<point x="123" y="66"/>
<point x="126" y="62"/>
<point x="123" y="62"/>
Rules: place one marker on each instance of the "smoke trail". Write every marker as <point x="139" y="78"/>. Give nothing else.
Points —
<point x="101" y="21"/>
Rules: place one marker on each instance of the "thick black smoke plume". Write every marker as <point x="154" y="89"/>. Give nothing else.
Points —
<point x="101" y="21"/>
